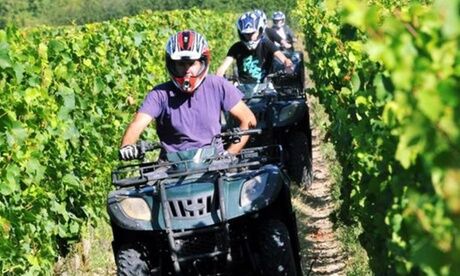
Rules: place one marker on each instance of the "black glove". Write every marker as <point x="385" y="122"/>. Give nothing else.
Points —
<point x="129" y="152"/>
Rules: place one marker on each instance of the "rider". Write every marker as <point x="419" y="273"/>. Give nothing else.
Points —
<point x="271" y="33"/>
<point x="187" y="108"/>
<point x="282" y="29"/>
<point x="254" y="53"/>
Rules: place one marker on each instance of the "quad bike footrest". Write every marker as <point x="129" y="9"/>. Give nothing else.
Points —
<point x="204" y="255"/>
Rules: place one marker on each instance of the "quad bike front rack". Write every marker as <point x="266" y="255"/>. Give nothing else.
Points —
<point x="220" y="230"/>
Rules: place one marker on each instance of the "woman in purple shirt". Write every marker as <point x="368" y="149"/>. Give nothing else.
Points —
<point x="187" y="109"/>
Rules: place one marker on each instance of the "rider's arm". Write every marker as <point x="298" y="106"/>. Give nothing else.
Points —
<point x="287" y="62"/>
<point x="247" y="120"/>
<point x="273" y="35"/>
<point x="135" y="128"/>
<point x="224" y="66"/>
<point x="286" y="44"/>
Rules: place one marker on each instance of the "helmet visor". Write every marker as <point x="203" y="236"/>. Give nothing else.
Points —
<point x="181" y="68"/>
<point x="249" y="36"/>
<point x="278" y="21"/>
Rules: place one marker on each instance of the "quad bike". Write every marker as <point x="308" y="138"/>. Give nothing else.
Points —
<point x="202" y="213"/>
<point x="279" y="104"/>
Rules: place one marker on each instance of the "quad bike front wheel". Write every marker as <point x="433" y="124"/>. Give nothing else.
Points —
<point x="274" y="249"/>
<point x="135" y="259"/>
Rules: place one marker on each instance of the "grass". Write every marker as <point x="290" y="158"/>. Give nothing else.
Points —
<point x="92" y="255"/>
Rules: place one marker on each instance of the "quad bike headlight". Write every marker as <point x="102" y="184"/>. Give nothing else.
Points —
<point x="136" y="208"/>
<point x="252" y="189"/>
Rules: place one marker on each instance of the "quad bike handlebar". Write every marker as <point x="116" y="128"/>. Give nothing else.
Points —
<point x="238" y="132"/>
<point x="231" y="136"/>
<point x="144" y="146"/>
<point x="280" y="74"/>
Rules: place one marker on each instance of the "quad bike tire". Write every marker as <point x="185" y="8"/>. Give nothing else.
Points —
<point x="135" y="259"/>
<point x="299" y="157"/>
<point x="301" y="74"/>
<point x="274" y="249"/>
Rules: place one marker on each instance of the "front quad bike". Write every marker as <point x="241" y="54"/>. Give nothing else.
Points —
<point x="200" y="213"/>
<point x="279" y="104"/>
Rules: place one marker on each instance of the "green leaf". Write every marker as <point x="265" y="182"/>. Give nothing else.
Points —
<point x="62" y="231"/>
<point x="71" y="180"/>
<point x="31" y="95"/>
<point x="69" y="101"/>
<point x="74" y="228"/>
<point x="5" y="60"/>
<point x="355" y="82"/>
<point x="19" y="72"/>
<point x="449" y="10"/>
<point x="448" y="92"/>
<point x="43" y="51"/>
<point x="380" y="91"/>
<point x="16" y="135"/>
<point x="70" y="131"/>
<point x="396" y="222"/>
<point x="35" y="169"/>
<point x="60" y="208"/>
<point x="56" y="46"/>
<point x="5" y="226"/>
<point x="425" y="254"/>
<point x="360" y="100"/>
<point x="138" y="38"/>
<point x="11" y="183"/>
<point x="33" y="260"/>
<point x="430" y="104"/>
<point x="411" y="143"/>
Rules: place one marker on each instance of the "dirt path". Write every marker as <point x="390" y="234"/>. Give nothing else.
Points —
<point x="321" y="251"/>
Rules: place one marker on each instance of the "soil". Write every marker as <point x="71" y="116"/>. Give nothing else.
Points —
<point x="321" y="251"/>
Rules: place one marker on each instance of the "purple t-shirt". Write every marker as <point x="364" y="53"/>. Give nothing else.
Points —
<point x="190" y="121"/>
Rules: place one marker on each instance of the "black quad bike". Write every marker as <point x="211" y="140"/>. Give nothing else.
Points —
<point x="280" y="106"/>
<point x="201" y="213"/>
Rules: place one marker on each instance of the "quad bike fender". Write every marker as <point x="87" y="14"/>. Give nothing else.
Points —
<point x="288" y="113"/>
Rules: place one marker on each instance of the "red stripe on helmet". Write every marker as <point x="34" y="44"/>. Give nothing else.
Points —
<point x="186" y="40"/>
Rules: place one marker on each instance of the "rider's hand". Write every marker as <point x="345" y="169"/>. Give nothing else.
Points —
<point x="288" y="66"/>
<point x="226" y="155"/>
<point x="129" y="152"/>
<point x="285" y="44"/>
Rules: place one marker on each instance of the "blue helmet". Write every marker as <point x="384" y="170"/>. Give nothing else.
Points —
<point x="278" y="18"/>
<point x="263" y="17"/>
<point x="247" y="24"/>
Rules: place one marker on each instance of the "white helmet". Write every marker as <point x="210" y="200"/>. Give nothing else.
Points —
<point x="263" y="17"/>
<point x="184" y="46"/>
